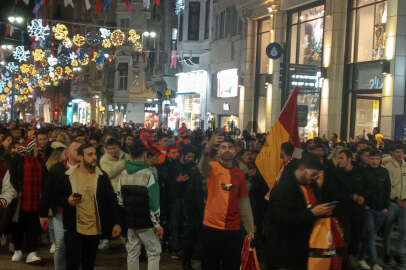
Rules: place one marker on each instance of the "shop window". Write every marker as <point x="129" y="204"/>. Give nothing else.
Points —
<point x="123" y="76"/>
<point x="194" y="21"/>
<point x="207" y="20"/>
<point x="306" y="36"/>
<point x="368" y="30"/>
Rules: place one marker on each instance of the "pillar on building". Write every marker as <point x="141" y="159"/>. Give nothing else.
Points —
<point x="393" y="92"/>
<point x="246" y="104"/>
<point x="333" y="63"/>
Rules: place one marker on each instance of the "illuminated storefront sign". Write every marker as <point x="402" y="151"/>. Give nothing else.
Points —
<point x="149" y="107"/>
<point x="227" y="83"/>
<point x="194" y="82"/>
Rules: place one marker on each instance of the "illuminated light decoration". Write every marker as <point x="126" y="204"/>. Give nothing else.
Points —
<point x="104" y="33"/>
<point x="17" y="86"/>
<point x="117" y="37"/>
<point x="58" y="71"/>
<point x="20" y="54"/>
<point x="67" y="43"/>
<point x="68" y="70"/>
<point x="138" y="46"/>
<point x="85" y="60"/>
<point x="133" y="36"/>
<point x="37" y="30"/>
<point x="60" y="31"/>
<point x="24" y="68"/>
<point x="74" y="63"/>
<point x="38" y="54"/>
<point x="26" y="80"/>
<point x="78" y="40"/>
<point x="52" y="61"/>
<point x="95" y="56"/>
<point x="12" y="67"/>
<point x="93" y="38"/>
<point x="6" y="89"/>
<point x="44" y="63"/>
<point x="73" y="56"/>
<point x="55" y="83"/>
<point x="51" y="74"/>
<point x="2" y="84"/>
<point x="10" y="84"/>
<point x="106" y="43"/>
<point x="64" y="59"/>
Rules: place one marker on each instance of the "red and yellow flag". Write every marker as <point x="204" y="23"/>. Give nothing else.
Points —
<point x="285" y="129"/>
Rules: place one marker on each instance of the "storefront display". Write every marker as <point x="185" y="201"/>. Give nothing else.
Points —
<point x="78" y="111"/>
<point x="227" y="83"/>
<point x="229" y="122"/>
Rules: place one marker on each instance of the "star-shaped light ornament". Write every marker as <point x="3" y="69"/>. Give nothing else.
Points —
<point x="73" y="56"/>
<point x="117" y="37"/>
<point x="12" y="67"/>
<point x="20" y="54"/>
<point x="78" y="40"/>
<point x="38" y="54"/>
<point x="67" y="42"/>
<point x="52" y="61"/>
<point x="60" y="31"/>
<point x="37" y="30"/>
<point x="133" y="36"/>
<point x="104" y="33"/>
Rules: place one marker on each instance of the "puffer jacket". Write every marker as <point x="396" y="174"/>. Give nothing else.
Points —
<point x="113" y="167"/>
<point x="138" y="194"/>
<point x="397" y="174"/>
<point x="377" y="188"/>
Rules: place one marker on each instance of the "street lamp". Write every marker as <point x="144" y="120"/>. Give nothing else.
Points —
<point x="16" y="19"/>
<point x="152" y="34"/>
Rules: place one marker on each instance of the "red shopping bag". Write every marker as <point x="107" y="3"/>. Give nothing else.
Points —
<point x="249" y="259"/>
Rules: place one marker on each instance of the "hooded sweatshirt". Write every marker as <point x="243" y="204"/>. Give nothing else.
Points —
<point x="138" y="193"/>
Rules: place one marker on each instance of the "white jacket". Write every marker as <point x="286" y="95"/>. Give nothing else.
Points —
<point x="397" y="175"/>
<point x="113" y="167"/>
<point x="7" y="191"/>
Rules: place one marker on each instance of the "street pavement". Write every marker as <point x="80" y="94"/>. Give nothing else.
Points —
<point x="113" y="259"/>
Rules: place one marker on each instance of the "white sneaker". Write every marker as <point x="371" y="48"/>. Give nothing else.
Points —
<point x="17" y="256"/>
<point x="377" y="267"/>
<point x="32" y="258"/>
<point x="104" y="244"/>
<point x="11" y="247"/>
<point x="3" y="240"/>
<point x="52" y="249"/>
<point x="363" y="264"/>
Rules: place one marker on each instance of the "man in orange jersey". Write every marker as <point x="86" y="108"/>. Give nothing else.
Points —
<point x="227" y="204"/>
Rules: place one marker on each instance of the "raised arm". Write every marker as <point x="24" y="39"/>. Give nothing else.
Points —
<point x="204" y="165"/>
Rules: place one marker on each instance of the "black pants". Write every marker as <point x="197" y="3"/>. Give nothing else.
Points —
<point x="80" y="250"/>
<point x="190" y="240"/>
<point x="221" y="249"/>
<point x="28" y="228"/>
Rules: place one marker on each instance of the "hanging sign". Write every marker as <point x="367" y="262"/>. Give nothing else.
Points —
<point x="274" y="50"/>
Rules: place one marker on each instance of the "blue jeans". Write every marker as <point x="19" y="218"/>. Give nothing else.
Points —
<point x="51" y="231"/>
<point x="60" y="251"/>
<point x="176" y="217"/>
<point x="395" y="212"/>
<point x="373" y="222"/>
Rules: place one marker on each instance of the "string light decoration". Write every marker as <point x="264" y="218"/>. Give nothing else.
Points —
<point x="117" y="37"/>
<point x="85" y="60"/>
<point x="38" y="54"/>
<point x="138" y="46"/>
<point x="58" y="71"/>
<point x="74" y="63"/>
<point x="20" y="54"/>
<point x="73" y="56"/>
<point x="104" y="33"/>
<point x="52" y="60"/>
<point x="78" y="40"/>
<point x="133" y="36"/>
<point x="106" y="43"/>
<point x="37" y="30"/>
<point x="67" y="43"/>
<point x="95" y="55"/>
<point x="68" y="70"/>
<point x="12" y="67"/>
<point x="24" y="68"/>
<point x="60" y="31"/>
<point x="93" y="38"/>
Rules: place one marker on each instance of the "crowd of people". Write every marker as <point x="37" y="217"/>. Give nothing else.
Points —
<point x="194" y="194"/>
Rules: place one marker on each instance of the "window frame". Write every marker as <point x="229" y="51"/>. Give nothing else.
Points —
<point x="354" y="28"/>
<point x="122" y="78"/>
<point x="195" y="36"/>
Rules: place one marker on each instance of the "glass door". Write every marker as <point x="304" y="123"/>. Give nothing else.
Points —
<point x="367" y="112"/>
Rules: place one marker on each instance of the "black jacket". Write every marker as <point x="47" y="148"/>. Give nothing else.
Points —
<point x="108" y="208"/>
<point x="377" y="188"/>
<point x="48" y="199"/>
<point x="194" y="205"/>
<point x="288" y="225"/>
<point x="136" y="207"/>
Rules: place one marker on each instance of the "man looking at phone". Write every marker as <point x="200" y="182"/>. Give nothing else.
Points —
<point x="90" y="205"/>
<point x="293" y="208"/>
<point x="227" y="205"/>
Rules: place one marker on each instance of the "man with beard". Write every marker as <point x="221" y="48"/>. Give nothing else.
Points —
<point x="293" y="208"/>
<point x="44" y="147"/>
<point x="346" y="185"/>
<point x="227" y="204"/>
<point x="90" y="205"/>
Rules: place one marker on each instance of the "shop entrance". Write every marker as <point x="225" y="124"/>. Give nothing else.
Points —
<point x="366" y="114"/>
